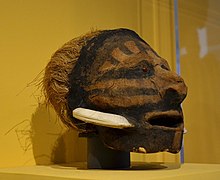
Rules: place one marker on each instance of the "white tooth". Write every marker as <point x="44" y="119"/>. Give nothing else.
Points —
<point x="101" y="119"/>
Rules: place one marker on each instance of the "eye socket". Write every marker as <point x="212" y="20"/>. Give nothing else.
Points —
<point x="145" y="69"/>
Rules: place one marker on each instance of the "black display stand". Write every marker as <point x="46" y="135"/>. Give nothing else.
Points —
<point x="101" y="157"/>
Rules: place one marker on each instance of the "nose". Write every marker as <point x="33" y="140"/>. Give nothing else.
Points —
<point x="175" y="94"/>
<point x="174" y="89"/>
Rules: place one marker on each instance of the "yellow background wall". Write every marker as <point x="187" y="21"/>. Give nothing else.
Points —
<point x="30" y="32"/>
<point x="199" y="25"/>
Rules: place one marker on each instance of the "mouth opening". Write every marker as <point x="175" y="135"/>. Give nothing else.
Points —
<point x="166" y="121"/>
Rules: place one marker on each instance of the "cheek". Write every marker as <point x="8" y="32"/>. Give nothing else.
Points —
<point x="122" y="93"/>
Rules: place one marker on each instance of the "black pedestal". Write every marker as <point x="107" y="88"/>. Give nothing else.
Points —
<point x="101" y="157"/>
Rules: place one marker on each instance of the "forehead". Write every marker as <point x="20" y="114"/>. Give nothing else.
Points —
<point x="120" y="52"/>
<point x="120" y="47"/>
<point x="113" y="50"/>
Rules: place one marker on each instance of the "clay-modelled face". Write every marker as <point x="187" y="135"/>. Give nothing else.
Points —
<point x="117" y="72"/>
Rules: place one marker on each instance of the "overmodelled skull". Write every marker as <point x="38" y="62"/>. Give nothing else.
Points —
<point x="113" y="84"/>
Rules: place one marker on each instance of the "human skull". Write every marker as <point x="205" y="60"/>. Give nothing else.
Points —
<point x="121" y="90"/>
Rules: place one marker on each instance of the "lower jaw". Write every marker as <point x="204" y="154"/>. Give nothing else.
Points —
<point x="152" y="140"/>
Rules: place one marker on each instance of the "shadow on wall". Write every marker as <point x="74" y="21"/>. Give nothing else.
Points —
<point x="52" y="142"/>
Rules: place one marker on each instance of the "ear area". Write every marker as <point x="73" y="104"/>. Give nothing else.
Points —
<point x="101" y="119"/>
